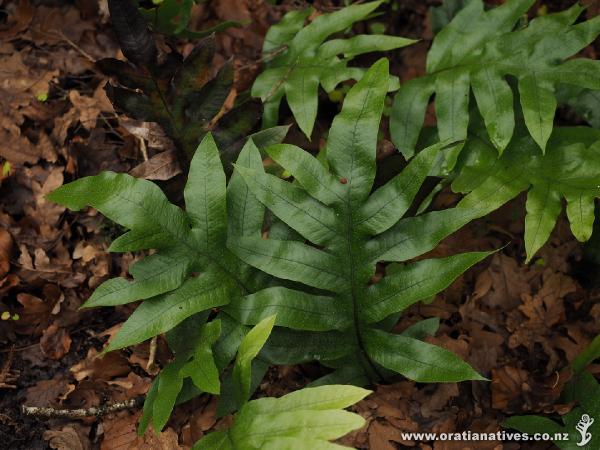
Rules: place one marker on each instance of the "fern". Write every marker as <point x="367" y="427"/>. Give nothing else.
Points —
<point x="186" y="242"/>
<point x="584" y="102"/>
<point x="199" y="357"/>
<point x="308" y="418"/>
<point x="177" y="94"/>
<point x="442" y="15"/>
<point x="569" y="169"/>
<point x="356" y="229"/>
<point x="171" y="17"/>
<point x="582" y="389"/>
<point x="344" y="322"/>
<point x="477" y="50"/>
<point x="300" y="58"/>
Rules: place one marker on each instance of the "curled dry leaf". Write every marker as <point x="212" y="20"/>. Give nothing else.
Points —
<point x="34" y="315"/>
<point x="67" y="438"/>
<point x="131" y="386"/>
<point x="162" y="166"/>
<point x="106" y="368"/>
<point x="55" y="342"/>
<point x="48" y="392"/>
<point x="120" y="433"/>
<point x="507" y="385"/>
<point x="150" y="132"/>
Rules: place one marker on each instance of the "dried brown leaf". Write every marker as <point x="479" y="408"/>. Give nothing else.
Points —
<point x="120" y="434"/>
<point x="68" y="438"/>
<point x="162" y="166"/>
<point x="110" y="366"/>
<point x="55" y="342"/>
<point x="508" y="384"/>
<point x="47" y="393"/>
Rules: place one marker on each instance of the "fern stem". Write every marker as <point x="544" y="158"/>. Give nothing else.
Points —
<point x="182" y="155"/>
<point x="363" y="355"/>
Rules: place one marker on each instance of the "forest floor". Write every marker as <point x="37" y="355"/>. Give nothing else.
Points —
<point x="518" y="324"/>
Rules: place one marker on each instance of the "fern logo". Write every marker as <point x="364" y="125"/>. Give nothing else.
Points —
<point x="582" y="426"/>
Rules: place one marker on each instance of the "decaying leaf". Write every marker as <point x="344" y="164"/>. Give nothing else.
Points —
<point x="180" y="95"/>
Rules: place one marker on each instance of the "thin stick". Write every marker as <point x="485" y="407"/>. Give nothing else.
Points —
<point x="74" y="45"/>
<point x="143" y="148"/>
<point x="94" y="411"/>
<point x="266" y="57"/>
<point x="151" y="367"/>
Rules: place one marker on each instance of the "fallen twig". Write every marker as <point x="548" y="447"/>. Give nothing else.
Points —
<point x="151" y="367"/>
<point x="94" y="411"/>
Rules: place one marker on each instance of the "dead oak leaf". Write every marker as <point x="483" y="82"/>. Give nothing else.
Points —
<point x="555" y="288"/>
<point x="151" y="132"/>
<point x="18" y="77"/>
<point x="486" y="348"/>
<point x="503" y="282"/>
<point x="572" y="344"/>
<point x="200" y="422"/>
<point x="19" y="150"/>
<point x="55" y="342"/>
<point x="508" y="383"/>
<point x="46" y="149"/>
<point x="92" y="257"/>
<point x="389" y="409"/>
<point x="380" y="435"/>
<point x="42" y="268"/>
<point x="48" y="393"/>
<point x="110" y="366"/>
<point x="53" y="26"/>
<point x="162" y="166"/>
<point x="458" y="346"/>
<point x="42" y="211"/>
<point x="543" y="311"/>
<point x="84" y="110"/>
<point x="20" y="85"/>
<point x="88" y="394"/>
<point x="120" y="434"/>
<point x="18" y="20"/>
<point x="89" y="108"/>
<point x="34" y="316"/>
<point x="67" y="438"/>
<point x="86" y="252"/>
<point x="127" y="388"/>
<point x="436" y="401"/>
